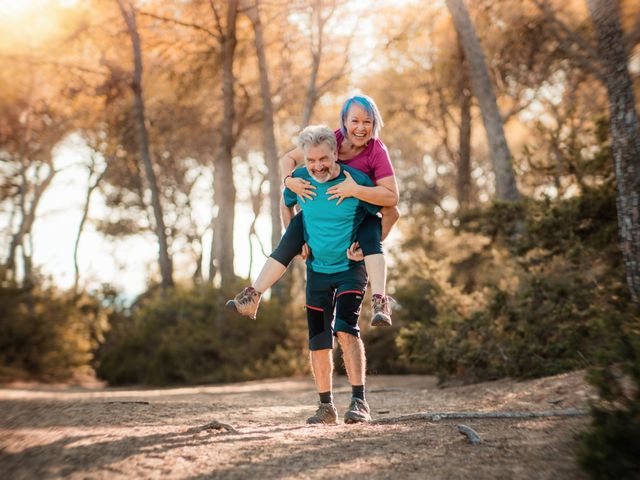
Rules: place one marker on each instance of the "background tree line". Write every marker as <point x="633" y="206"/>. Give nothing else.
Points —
<point x="512" y="126"/>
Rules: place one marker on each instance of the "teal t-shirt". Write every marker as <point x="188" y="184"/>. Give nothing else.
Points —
<point x="330" y="229"/>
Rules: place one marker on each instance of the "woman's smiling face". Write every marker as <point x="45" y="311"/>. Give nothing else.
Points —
<point x="359" y="126"/>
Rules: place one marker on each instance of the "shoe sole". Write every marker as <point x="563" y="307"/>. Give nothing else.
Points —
<point x="230" y="306"/>
<point x="380" y="322"/>
<point x="351" y="421"/>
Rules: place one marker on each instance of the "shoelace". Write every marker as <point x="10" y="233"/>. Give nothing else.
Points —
<point x="323" y="410"/>
<point x="246" y="296"/>
<point x="359" y="407"/>
<point x="384" y="302"/>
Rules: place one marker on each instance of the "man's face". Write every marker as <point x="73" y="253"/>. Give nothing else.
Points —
<point x="320" y="161"/>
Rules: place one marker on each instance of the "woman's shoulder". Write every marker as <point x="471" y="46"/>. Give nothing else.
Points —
<point x="378" y="149"/>
<point x="378" y="144"/>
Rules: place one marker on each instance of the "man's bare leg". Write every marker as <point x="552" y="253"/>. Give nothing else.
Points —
<point x="322" y="369"/>
<point x="355" y="363"/>
<point x="354" y="357"/>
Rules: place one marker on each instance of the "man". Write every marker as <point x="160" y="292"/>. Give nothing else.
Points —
<point x="334" y="281"/>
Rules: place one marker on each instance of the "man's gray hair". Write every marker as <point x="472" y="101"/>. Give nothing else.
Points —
<point x="314" y="135"/>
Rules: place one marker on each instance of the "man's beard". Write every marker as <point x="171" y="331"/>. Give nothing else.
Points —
<point x="321" y="176"/>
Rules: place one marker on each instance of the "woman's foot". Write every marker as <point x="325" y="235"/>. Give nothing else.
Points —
<point x="245" y="303"/>
<point x="380" y="305"/>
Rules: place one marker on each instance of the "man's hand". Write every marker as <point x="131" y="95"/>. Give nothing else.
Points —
<point x="301" y="187"/>
<point x="344" y="189"/>
<point x="354" y="252"/>
<point x="305" y="252"/>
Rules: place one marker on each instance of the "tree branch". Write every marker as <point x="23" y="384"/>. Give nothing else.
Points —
<point x="437" y="416"/>
<point x="584" y="55"/>
<point x="175" y="21"/>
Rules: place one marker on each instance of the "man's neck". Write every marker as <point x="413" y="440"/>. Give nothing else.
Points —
<point x="335" y="172"/>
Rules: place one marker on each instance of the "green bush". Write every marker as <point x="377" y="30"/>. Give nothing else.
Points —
<point x="535" y="296"/>
<point x="45" y="334"/>
<point x="610" y="448"/>
<point x="186" y="337"/>
<point x="548" y="326"/>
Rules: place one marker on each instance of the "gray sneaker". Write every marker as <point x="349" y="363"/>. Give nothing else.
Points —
<point x="245" y="303"/>
<point x="358" y="412"/>
<point x="326" y="414"/>
<point x="380" y="306"/>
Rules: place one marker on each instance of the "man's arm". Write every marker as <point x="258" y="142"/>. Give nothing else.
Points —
<point x="390" y="216"/>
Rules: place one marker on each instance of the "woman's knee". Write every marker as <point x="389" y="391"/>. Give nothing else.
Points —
<point x="369" y="235"/>
<point x="291" y="242"/>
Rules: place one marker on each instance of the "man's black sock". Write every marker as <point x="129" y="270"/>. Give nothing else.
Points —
<point x="357" y="391"/>
<point x="325" y="397"/>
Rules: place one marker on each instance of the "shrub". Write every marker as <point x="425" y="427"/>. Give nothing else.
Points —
<point x="185" y="337"/>
<point x="526" y="289"/>
<point x="610" y="448"/>
<point x="45" y="334"/>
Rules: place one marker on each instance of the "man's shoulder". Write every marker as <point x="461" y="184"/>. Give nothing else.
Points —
<point x="300" y="172"/>
<point x="359" y="176"/>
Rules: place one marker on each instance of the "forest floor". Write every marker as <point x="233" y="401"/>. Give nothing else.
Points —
<point x="82" y="432"/>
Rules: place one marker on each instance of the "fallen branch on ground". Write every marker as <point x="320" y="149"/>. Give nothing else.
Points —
<point x="128" y="402"/>
<point x="470" y="433"/>
<point x="435" y="417"/>
<point x="215" y="425"/>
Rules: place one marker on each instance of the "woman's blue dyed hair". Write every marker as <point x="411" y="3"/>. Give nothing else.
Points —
<point x="371" y="108"/>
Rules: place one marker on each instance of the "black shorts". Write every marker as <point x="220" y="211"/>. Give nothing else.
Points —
<point x="326" y="292"/>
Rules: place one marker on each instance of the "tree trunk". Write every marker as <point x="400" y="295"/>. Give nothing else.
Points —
<point x="269" y="138"/>
<point x="83" y="219"/>
<point x="27" y="210"/>
<point x="279" y="290"/>
<point x="26" y="224"/>
<point x="625" y="137"/>
<point x="166" y="267"/>
<point x="316" y="56"/>
<point x="224" y="188"/>
<point x="463" y="184"/>
<point x="506" y="188"/>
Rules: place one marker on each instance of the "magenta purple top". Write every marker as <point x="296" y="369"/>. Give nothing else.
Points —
<point x="373" y="160"/>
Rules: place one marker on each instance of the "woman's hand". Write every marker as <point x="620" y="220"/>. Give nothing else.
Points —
<point x="301" y="187"/>
<point x="344" y="189"/>
<point x="354" y="252"/>
<point x="305" y="252"/>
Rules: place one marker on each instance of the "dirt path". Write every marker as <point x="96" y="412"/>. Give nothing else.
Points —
<point x="157" y="433"/>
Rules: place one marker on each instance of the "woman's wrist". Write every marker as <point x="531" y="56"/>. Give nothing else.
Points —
<point x="284" y="180"/>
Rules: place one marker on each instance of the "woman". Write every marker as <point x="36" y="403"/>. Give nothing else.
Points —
<point x="358" y="147"/>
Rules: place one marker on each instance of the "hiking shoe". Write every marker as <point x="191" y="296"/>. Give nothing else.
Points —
<point x="358" y="412"/>
<point x="245" y="303"/>
<point x="326" y="414"/>
<point x="380" y="305"/>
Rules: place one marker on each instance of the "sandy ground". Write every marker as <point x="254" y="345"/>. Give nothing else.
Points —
<point x="52" y="432"/>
